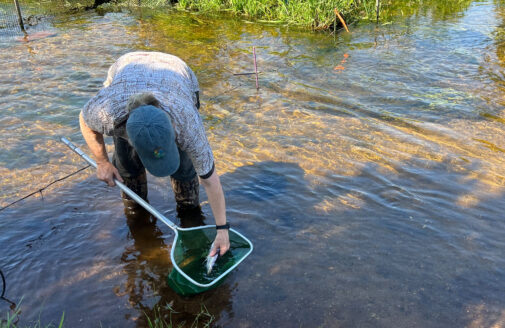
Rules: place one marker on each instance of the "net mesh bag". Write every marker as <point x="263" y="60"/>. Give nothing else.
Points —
<point x="190" y="255"/>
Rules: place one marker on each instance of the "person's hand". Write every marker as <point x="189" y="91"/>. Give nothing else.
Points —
<point x="105" y="171"/>
<point x="221" y="243"/>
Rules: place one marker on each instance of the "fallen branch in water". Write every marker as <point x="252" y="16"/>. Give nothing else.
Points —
<point x="341" y="19"/>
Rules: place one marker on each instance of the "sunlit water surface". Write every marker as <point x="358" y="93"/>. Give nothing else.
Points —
<point x="368" y="170"/>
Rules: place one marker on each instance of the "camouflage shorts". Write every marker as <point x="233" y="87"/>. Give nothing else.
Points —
<point x="184" y="181"/>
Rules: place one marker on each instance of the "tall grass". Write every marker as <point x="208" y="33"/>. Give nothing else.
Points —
<point x="162" y="318"/>
<point x="313" y="14"/>
<point x="319" y="14"/>
<point x="316" y="14"/>
<point x="158" y="318"/>
<point x="12" y="319"/>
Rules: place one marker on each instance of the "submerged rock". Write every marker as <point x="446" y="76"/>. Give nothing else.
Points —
<point x="33" y="20"/>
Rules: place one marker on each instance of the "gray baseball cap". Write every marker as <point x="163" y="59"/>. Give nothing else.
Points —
<point x="152" y="135"/>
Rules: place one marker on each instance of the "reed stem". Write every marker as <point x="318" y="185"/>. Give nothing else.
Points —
<point x="255" y="68"/>
<point x="377" y="8"/>
<point x="341" y="19"/>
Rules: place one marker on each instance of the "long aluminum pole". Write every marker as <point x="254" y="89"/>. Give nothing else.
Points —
<point x="124" y="188"/>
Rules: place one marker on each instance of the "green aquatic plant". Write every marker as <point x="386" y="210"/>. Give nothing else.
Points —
<point x="161" y="317"/>
<point x="158" y="320"/>
<point x="12" y="319"/>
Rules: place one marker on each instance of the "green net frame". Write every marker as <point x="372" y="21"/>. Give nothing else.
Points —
<point x="189" y="253"/>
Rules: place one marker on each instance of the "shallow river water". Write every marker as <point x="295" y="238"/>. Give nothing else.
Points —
<point x="368" y="170"/>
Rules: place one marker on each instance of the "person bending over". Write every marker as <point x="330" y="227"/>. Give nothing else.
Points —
<point x="149" y="105"/>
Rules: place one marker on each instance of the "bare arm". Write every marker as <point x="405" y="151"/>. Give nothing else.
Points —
<point x="105" y="170"/>
<point x="215" y="194"/>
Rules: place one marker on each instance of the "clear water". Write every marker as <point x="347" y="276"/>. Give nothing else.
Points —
<point x="367" y="170"/>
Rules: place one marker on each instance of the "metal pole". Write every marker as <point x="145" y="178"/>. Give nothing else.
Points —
<point x="20" y="18"/>
<point x="377" y="8"/>
<point x="123" y="187"/>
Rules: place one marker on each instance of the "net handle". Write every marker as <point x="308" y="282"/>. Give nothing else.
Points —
<point x="123" y="187"/>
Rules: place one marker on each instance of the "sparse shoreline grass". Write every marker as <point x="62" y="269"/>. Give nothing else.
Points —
<point x="159" y="317"/>
<point x="12" y="319"/>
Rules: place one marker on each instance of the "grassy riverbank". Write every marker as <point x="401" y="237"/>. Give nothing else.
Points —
<point x="316" y="14"/>
<point x="319" y="14"/>
<point x="310" y="14"/>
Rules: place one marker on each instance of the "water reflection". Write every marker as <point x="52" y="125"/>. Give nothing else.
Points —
<point x="147" y="264"/>
<point x="437" y="10"/>
<point x="497" y="75"/>
<point x="379" y="235"/>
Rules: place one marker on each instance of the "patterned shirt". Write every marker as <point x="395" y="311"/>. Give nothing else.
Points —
<point x="172" y="83"/>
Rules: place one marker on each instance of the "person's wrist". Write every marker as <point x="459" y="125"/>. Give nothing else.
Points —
<point x="225" y="226"/>
<point x="222" y="233"/>
<point x="102" y="161"/>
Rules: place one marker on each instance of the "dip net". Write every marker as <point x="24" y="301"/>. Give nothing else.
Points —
<point x="189" y="254"/>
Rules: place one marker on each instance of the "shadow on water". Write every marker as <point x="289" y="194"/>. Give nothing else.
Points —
<point x="265" y="182"/>
<point x="381" y="250"/>
<point x="148" y="258"/>
<point x="146" y="264"/>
